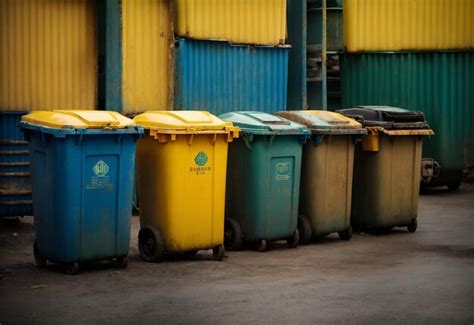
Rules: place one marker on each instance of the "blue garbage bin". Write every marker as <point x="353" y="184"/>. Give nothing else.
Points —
<point x="83" y="167"/>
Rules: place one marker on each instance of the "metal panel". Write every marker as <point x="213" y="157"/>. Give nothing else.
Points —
<point x="147" y="55"/>
<point x="15" y="184"/>
<point x="393" y="25"/>
<point x="238" y="21"/>
<point x="439" y="84"/>
<point x="48" y="55"/>
<point x="220" y="78"/>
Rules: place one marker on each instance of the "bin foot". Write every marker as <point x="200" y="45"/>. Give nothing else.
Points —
<point x="261" y="245"/>
<point x="345" y="234"/>
<point x="232" y="234"/>
<point x="218" y="252"/>
<point x="304" y="229"/>
<point x="412" y="226"/>
<point x="71" y="268"/>
<point x="454" y="186"/>
<point x="294" y="240"/>
<point x="40" y="261"/>
<point x="151" y="245"/>
<point x="122" y="262"/>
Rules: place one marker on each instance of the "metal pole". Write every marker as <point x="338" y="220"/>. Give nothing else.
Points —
<point x="324" y="58"/>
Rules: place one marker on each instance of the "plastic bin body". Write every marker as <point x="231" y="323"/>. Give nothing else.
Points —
<point x="264" y="169"/>
<point x="387" y="182"/>
<point x="326" y="188"/>
<point x="181" y="179"/>
<point x="327" y="169"/>
<point x="82" y="183"/>
<point x="387" y="166"/>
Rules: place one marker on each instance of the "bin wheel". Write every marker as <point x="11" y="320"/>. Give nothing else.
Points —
<point x="294" y="240"/>
<point x="261" y="245"/>
<point x="304" y="229"/>
<point x="232" y="234"/>
<point x="454" y="186"/>
<point x="218" y="252"/>
<point x="72" y="268"/>
<point x="151" y="245"/>
<point x="40" y="261"/>
<point x="122" y="262"/>
<point x="412" y="226"/>
<point x="345" y="234"/>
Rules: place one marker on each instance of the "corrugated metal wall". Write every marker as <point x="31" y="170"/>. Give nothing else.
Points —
<point x="15" y="175"/>
<point x="394" y="25"/>
<point x="219" y="77"/>
<point x="47" y="55"/>
<point x="147" y="55"/>
<point x="238" y="21"/>
<point x="441" y="84"/>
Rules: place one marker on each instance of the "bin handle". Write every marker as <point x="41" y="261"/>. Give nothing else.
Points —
<point x="318" y="139"/>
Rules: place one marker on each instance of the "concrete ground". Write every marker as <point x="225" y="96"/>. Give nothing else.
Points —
<point x="399" y="277"/>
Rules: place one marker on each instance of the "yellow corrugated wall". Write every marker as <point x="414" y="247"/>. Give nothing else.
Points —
<point x="48" y="57"/>
<point x="146" y="47"/>
<point x="239" y="21"/>
<point x="394" y="25"/>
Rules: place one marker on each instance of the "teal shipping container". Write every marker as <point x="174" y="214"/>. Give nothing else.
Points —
<point x="263" y="180"/>
<point x="440" y="84"/>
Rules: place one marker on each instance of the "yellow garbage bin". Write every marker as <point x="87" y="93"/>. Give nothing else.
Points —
<point x="181" y="169"/>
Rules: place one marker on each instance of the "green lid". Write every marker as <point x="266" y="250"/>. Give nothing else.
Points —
<point x="324" y="122"/>
<point x="260" y="123"/>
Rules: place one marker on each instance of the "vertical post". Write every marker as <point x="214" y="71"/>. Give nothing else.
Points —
<point x="113" y="55"/>
<point x="324" y="58"/>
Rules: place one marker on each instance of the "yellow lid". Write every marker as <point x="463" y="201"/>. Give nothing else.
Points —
<point x="78" y="119"/>
<point x="183" y="122"/>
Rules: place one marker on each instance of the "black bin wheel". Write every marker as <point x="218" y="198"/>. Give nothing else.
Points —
<point x="122" y="262"/>
<point x="218" y="252"/>
<point x="412" y="226"/>
<point x="261" y="245"/>
<point x="232" y="234"/>
<point x="345" y="234"/>
<point x="294" y="240"/>
<point x="304" y="229"/>
<point x="72" y="268"/>
<point x="40" y="261"/>
<point x="151" y="245"/>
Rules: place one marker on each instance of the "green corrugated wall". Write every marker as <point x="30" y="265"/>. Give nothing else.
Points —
<point x="441" y="84"/>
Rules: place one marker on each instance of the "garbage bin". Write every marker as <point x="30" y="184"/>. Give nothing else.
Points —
<point x="82" y="180"/>
<point x="263" y="178"/>
<point x="387" y="167"/>
<point x="326" y="181"/>
<point x="181" y="168"/>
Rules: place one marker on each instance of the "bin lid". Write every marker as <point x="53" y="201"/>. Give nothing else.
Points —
<point x="183" y="122"/>
<point x="261" y="123"/>
<point x="324" y="122"/>
<point x="388" y="117"/>
<point x="78" y="119"/>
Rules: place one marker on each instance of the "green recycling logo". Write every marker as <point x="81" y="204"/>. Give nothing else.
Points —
<point x="100" y="168"/>
<point x="201" y="159"/>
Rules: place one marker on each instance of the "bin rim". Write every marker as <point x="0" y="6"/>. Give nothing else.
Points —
<point x="181" y="122"/>
<point x="250" y="124"/>
<point x="401" y="132"/>
<point x="78" y="119"/>
<point x="319" y="122"/>
<point x="62" y="132"/>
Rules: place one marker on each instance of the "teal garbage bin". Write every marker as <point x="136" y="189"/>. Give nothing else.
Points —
<point x="263" y="177"/>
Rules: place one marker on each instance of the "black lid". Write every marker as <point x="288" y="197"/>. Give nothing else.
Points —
<point x="387" y="117"/>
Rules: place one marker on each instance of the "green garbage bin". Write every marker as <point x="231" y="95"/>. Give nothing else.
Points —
<point x="326" y="181"/>
<point x="387" y="167"/>
<point x="263" y="177"/>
